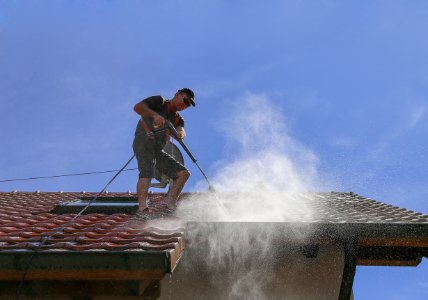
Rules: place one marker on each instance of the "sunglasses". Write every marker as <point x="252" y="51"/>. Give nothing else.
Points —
<point x="186" y="101"/>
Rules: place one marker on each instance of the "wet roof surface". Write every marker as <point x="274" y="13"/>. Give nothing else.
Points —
<point x="337" y="207"/>
<point x="26" y="219"/>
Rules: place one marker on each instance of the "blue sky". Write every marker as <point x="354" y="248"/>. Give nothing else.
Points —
<point x="348" y="78"/>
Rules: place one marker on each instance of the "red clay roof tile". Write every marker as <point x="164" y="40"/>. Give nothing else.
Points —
<point x="26" y="220"/>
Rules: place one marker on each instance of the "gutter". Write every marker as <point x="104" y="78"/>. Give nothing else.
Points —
<point x="87" y="265"/>
<point x="349" y="268"/>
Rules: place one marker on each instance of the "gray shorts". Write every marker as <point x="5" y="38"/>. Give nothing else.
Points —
<point x="150" y="156"/>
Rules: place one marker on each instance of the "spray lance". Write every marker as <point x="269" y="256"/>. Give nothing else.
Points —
<point x="177" y="137"/>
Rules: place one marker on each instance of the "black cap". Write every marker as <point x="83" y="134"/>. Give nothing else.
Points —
<point x="190" y="93"/>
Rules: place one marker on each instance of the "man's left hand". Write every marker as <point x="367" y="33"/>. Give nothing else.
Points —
<point x="181" y="132"/>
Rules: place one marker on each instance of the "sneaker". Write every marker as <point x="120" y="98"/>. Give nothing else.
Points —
<point x="169" y="211"/>
<point x="144" y="215"/>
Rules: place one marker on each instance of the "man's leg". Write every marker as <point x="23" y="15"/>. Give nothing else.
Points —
<point x="144" y="153"/>
<point x="176" y="188"/>
<point x="143" y="185"/>
<point x="166" y="164"/>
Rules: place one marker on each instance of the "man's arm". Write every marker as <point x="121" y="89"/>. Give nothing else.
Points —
<point x="144" y="110"/>
<point x="179" y="125"/>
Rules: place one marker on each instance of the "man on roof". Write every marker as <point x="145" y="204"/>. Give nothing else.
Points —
<point x="151" y="135"/>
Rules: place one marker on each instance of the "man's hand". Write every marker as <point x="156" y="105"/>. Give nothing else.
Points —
<point x="158" y="121"/>
<point x="146" y="113"/>
<point x="181" y="132"/>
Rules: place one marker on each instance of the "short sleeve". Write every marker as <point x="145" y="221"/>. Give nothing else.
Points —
<point x="154" y="102"/>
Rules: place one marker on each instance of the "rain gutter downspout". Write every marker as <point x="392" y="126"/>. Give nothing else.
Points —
<point x="349" y="268"/>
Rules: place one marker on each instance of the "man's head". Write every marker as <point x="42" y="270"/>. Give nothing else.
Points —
<point x="190" y="94"/>
<point x="183" y="99"/>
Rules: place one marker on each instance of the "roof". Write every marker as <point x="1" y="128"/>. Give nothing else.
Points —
<point x="95" y="241"/>
<point x="339" y="207"/>
<point x="344" y="214"/>
<point x="385" y="234"/>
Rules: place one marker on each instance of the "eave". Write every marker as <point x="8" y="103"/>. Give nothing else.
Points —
<point x="377" y="244"/>
<point x="88" y="265"/>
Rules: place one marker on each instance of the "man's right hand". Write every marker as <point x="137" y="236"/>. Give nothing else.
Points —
<point x="158" y="121"/>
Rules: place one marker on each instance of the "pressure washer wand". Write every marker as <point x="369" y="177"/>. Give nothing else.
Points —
<point x="176" y="135"/>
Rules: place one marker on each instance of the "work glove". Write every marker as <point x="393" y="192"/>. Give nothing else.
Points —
<point x="181" y="132"/>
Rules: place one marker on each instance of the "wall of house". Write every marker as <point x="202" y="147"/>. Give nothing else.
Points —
<point x="278" y="272"/>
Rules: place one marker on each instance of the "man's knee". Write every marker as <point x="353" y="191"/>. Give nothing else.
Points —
<point x="183" y="174"/>
<point x="143" y="183"/>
